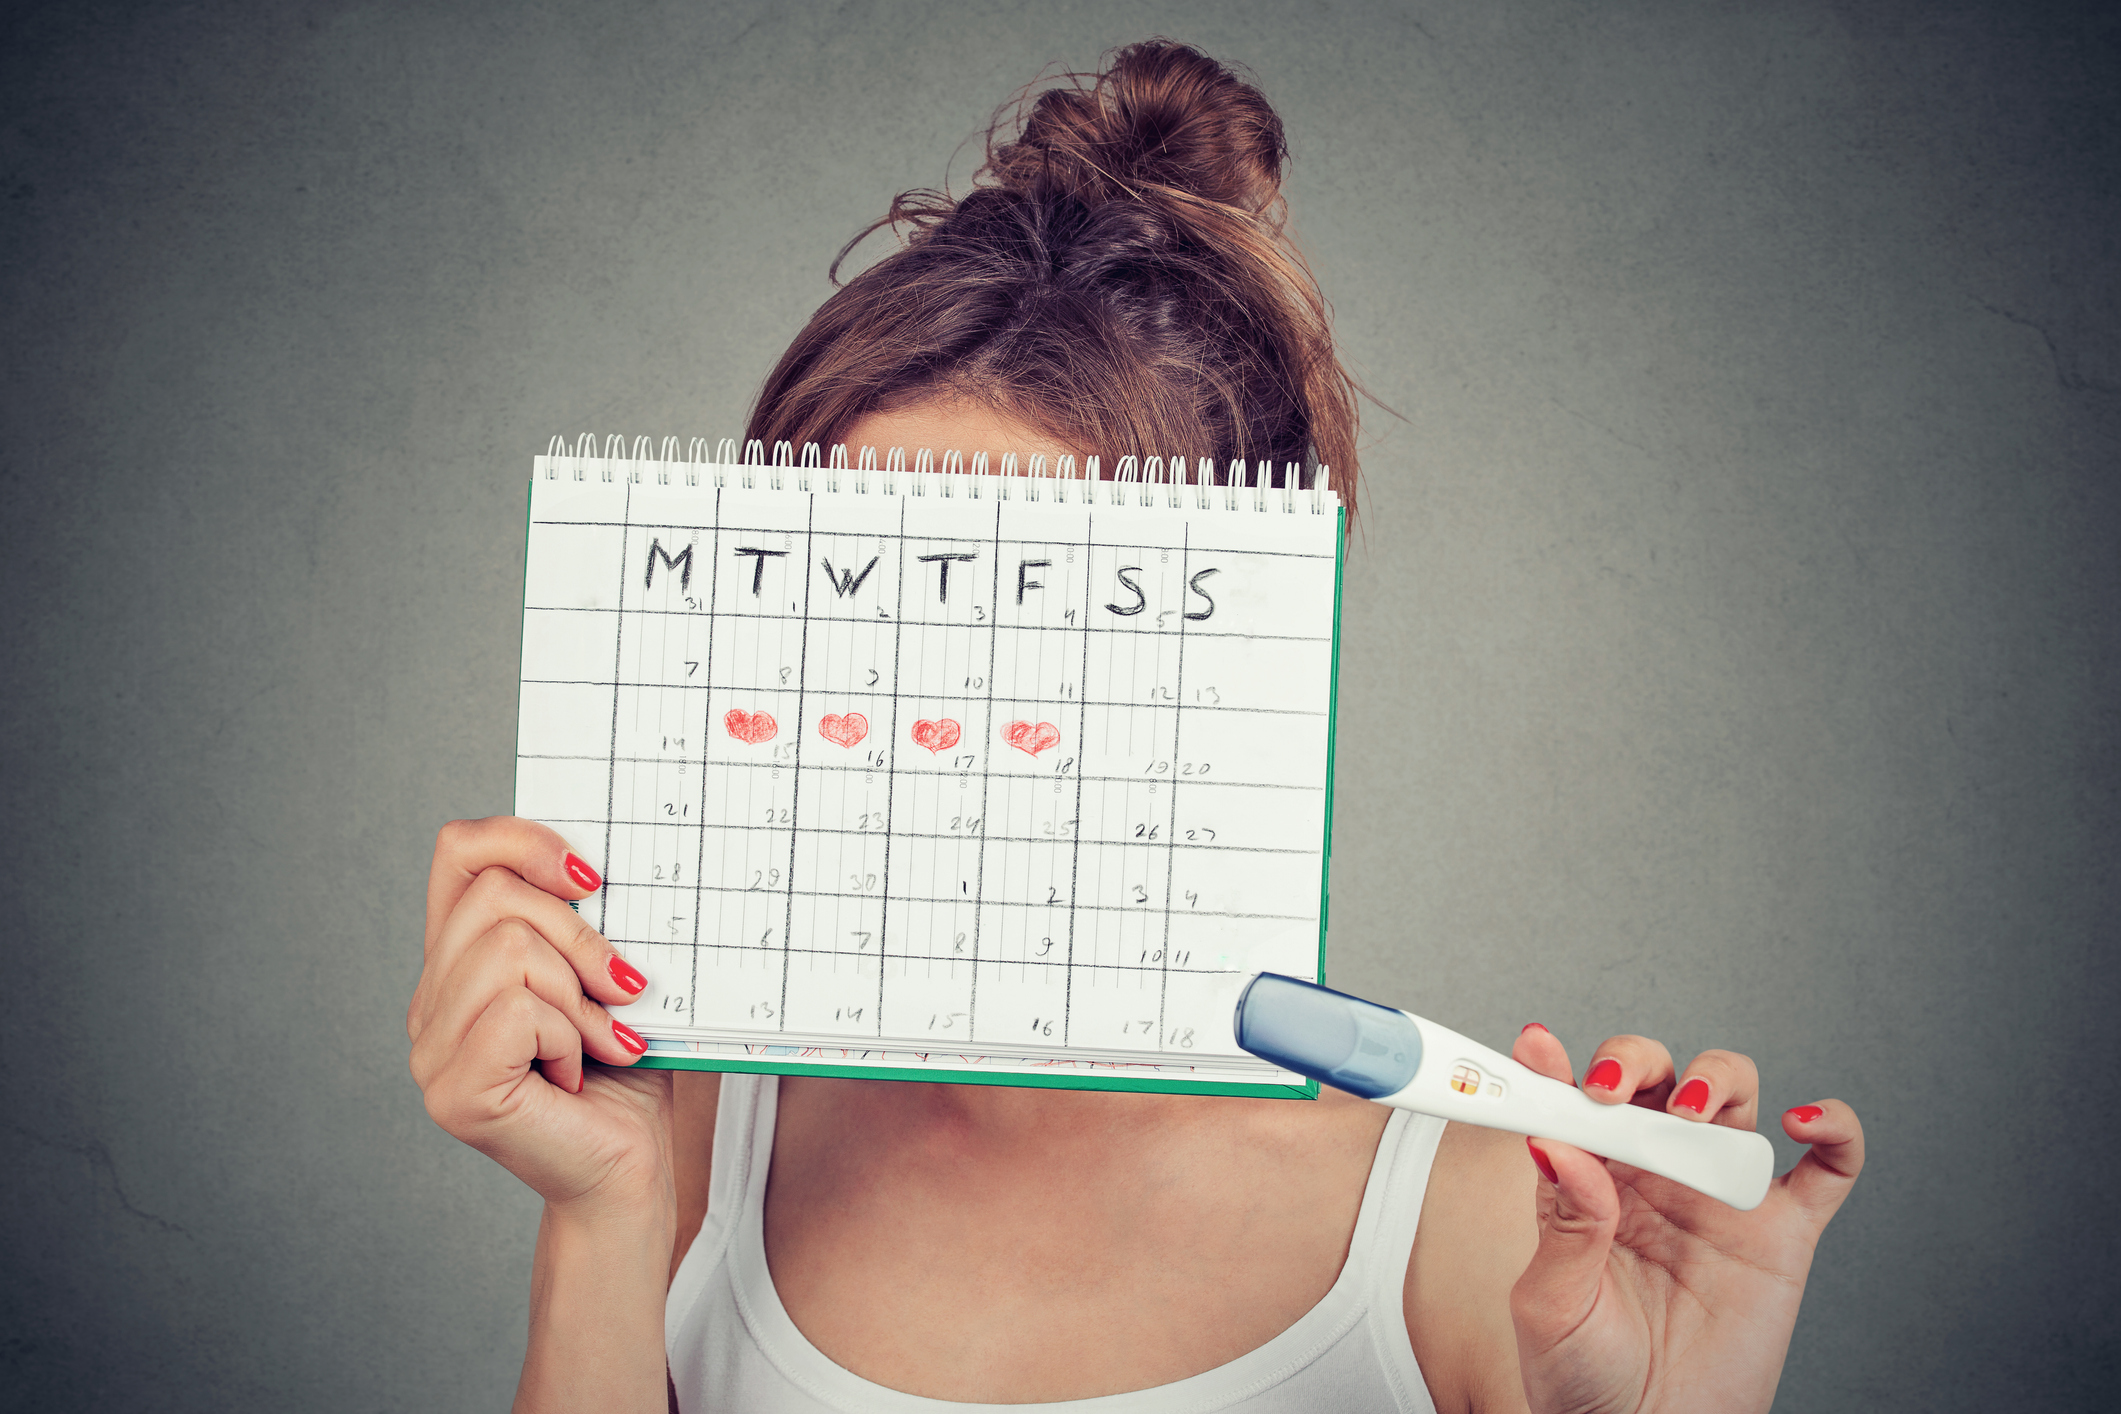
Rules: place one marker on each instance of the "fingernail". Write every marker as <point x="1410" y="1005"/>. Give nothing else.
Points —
<point x="1694" y="1095"/>
<point x="1532" y="1026"/>
<point x="626" y="974"/>
<point x="1605" y="1075"/>
<point x="1546" y="1166"/>
<point x="578" y="870"/>
<point x="629" y="1038"/>
<point x="1805" y="1114"/>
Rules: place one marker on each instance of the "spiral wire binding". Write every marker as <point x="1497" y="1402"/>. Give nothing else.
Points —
<point x="1143" y="481"/>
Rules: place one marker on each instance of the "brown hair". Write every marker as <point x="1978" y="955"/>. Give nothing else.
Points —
<point x="1119" y="278"/>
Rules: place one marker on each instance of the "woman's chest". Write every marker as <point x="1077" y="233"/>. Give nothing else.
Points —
<point x="942" y="1270"/>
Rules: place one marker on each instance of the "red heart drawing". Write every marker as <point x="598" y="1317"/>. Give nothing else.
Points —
<point x="936" y="736"/>
<point x="1031" y="737"/>
<point x="845" y="731"/>
<point x="751" y="728"/>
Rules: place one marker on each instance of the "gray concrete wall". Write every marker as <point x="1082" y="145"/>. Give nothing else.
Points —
<point x="1731" y="638"/>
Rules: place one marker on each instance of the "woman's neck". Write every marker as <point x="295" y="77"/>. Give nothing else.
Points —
<point x="1003" y="1134"/>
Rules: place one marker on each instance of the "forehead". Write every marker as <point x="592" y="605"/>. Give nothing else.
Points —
<point x="942" y="427"/>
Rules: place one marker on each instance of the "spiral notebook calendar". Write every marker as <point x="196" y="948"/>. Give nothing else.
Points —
<point x="914" y="769"/>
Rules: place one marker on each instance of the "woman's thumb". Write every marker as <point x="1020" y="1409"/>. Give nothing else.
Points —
<point x="1579" y="1209"/>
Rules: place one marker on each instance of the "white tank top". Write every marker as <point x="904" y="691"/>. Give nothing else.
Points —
<point x="732" y="1346"/>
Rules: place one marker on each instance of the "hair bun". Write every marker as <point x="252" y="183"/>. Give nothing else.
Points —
<point x="1120" y="280"/>
<point x="1161" y="115"/>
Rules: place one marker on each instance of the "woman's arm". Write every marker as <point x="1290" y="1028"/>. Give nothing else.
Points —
<point x="597" y="1285"/>
<point x="596" y="1308"/>
<point x="512" y="1002"/>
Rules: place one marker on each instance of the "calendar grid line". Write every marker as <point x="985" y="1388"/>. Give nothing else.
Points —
<point x="939" y="775"/>
<point x="951" y="539"/>
<point x="938" y="697"/>
<point x="986" y="782"/>
<point x="795" y="792"/>
<point x="883" y="927"/>
<point x="1163" y="995"/>
<point x="858" y="895"/>
<point x="618" y="648"/>
<point x="958" y="958"/>
<point x="1082" y="727"/>
<point x="735" y="615"/>
<point x="855" y="1044"/>
<point x="1054" y="840"/>
<point x="699" y="865"/>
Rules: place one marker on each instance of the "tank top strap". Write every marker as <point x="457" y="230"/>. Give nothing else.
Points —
<point x="1384" y="1243"/>
<point x="736" y="1138"/>
<point x="736" y="1153"/>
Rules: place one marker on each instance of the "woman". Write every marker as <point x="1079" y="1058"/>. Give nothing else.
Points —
<point x="1117" y="282"/>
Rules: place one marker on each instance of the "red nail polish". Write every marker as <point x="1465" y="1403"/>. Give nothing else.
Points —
<point x="629" y="1038"/>
<point x="1605" y="1075"/>
<point x="1805" y="1114"/>
<point x="1546" y="1166"/>
<point x="1694" y="1095"/>
<point x="626" y="974"/>
<point x="1532" y="1026"/>
<point x="578" y="870"/>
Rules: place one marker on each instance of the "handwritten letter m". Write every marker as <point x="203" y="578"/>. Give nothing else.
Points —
<point x="682" y="564"/>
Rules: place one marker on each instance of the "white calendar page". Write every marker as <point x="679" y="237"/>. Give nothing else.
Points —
<point x="932" y="778"/>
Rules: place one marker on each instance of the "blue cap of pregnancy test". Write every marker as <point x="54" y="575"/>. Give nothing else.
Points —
<point x="1348" y="1043"/>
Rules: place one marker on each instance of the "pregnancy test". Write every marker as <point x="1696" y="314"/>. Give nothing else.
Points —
<point x="1411" y="1063"/>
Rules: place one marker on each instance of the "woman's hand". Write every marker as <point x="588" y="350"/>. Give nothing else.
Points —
<point x="1643" y="1294"/>
<point x="507" y="1009"/>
